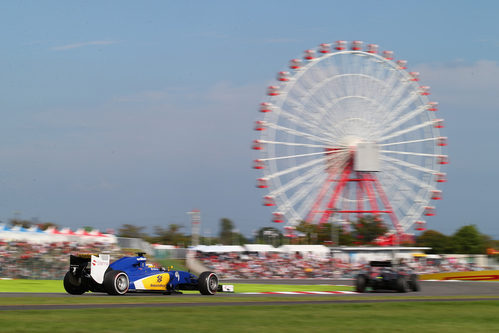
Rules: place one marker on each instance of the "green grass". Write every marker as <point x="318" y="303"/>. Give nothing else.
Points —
<point x="55" y="286"/>
<point x="31" y="286"/>
<point x="370" y="317"/>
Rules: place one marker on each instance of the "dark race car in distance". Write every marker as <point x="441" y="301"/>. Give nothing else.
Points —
<point x="133" y="274"/>
<point x="383" y="275"/>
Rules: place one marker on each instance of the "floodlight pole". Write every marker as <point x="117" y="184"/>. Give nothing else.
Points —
<point x="195" y="226"/>
<point x="335" y="237"/>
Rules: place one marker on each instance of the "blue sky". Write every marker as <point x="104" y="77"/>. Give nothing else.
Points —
<point x="120" y="112"/>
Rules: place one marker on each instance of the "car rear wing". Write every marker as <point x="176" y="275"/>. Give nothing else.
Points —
<point x="98" y="265"/>
<point x="77" y="263"/>
<point x="380" y="264"/>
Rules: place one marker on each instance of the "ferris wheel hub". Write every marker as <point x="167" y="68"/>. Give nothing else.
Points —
<point x="351" y="141"/>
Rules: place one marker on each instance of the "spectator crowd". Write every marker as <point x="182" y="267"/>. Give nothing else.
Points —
<point x="284" y="265"/>
<point x="22" y="260"/>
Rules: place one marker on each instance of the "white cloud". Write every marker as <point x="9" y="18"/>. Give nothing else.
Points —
<point x="83" y="44"/>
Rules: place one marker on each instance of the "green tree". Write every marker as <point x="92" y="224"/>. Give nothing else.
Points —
<point x="368" y="228"/>
<point x="238" y="238"/>
<point x="20" y="222"/>
<point x="322" y="233"/>
<point x="438" y="242"/>
<point x="131" y="231"/>
<point x="269" y="235"/>
<point x="170" y="235"/>
<point x="310" y="230"/>
<point x="226" y="228"/>
<point x="46" y="225"/>
<point x="468" y="240"/>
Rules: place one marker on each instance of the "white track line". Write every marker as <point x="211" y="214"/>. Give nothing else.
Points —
<point x="299" y="293"/>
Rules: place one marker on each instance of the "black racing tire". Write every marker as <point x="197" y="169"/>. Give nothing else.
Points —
<point x="360" y="283"/>
<point x="401" y="284"/>
<point x="208" y="283"/>
<point x="116" y="282"/>
<point x="74" y="285"/>
<point x="414" y="283"/>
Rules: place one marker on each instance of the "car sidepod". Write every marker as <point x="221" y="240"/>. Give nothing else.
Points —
<point x="153" y="282"/>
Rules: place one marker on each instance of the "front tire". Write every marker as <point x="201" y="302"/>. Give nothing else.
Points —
<point x="401" y="285"/>
<point x="116" y="283"/>
<point x="208" y="283"/>
<point x="414" y="283"/>
<point x="74" y="285"/>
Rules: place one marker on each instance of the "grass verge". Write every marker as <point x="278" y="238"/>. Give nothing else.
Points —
<point x="372" y="317"/>
<point x="55" y="286"/>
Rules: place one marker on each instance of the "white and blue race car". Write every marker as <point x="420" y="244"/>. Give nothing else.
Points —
<point x="133" y="274"/>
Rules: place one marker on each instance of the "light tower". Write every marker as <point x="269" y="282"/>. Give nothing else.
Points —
<point x="195" y="226"/>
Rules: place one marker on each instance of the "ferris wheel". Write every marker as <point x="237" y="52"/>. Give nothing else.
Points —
<point x="347" y="132"/>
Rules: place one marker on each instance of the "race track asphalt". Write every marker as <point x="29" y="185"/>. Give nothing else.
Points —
<point x="439" y="290"/>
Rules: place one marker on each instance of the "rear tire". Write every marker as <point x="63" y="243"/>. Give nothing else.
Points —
<point x="208" y="283"/>
<point x="74" y="285"/>
<point x="360" y="283"/>
<point x="116" y="283"/>
<point x="401" y="285"/>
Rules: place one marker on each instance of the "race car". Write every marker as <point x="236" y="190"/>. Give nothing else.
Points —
<point x="383" y="275"/>
<point x="133" y="274"/>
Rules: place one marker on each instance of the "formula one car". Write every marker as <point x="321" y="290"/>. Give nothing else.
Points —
<point x="382" y="275"/>
<point x="133" y="274"/>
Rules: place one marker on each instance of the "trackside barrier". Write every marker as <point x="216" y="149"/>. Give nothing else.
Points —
<point x="463" y="276"/>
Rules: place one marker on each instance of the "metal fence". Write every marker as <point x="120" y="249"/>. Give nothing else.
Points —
<point x="179" y="253"/>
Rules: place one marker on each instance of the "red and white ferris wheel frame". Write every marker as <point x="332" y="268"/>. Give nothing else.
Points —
<point x="348" y="131"/>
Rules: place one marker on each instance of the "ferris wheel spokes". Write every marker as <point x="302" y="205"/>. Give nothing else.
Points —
<point x="409" y="141"/>
<point x="407" y="130"/>
<point x="409" y="153"/>
<point x="314" y="172"/>
<point x="305" y="190"/>
<point x="296" y="168"/>
<point x="298" y="144"/>
<point x="400" y="108"/>
<point x="408" y="165"/>
<point x="409" y="178"/>
<point x="394" y="124"/>
<point x="302" y="122"/>
<point x="301" y="134"/>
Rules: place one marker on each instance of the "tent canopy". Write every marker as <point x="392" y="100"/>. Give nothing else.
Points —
<point x="260" y="248"/>
<point x="219" y="248"/>
<point x="304" y="249"/>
